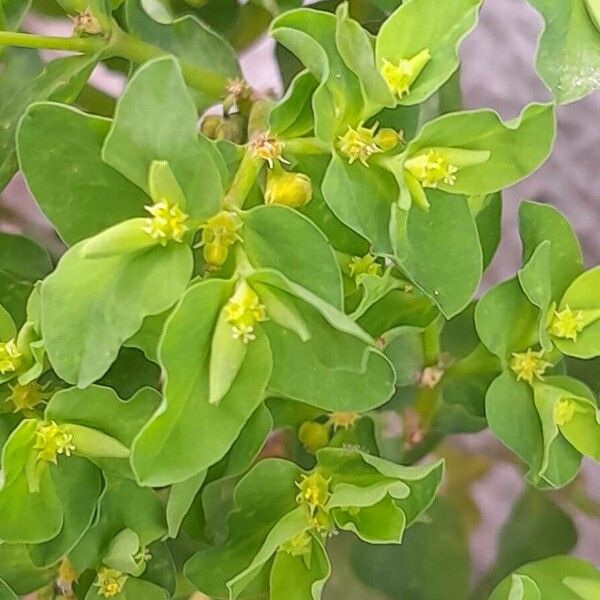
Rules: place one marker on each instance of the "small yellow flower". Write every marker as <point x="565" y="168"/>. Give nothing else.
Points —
<point x="321" y="522"/>
<point x="86" y="23"/>
<point x="364" y="265"/>
<point x="299" y="545"/>
<point x="10" y="357"/>
<point x="267" y="147"/>
<point x="529" y="365"/>
<point x="26" y="397"/>
<point x="343" y="420"/>
<point x="219" y="233"/>
<point x="313" y="435"/>
<point x="401" y="75"/>
<point x="288" y="189"/>
<point x="431" y="169"/>
<point x="243" y="311"/>
<point x="314" y="491"/>
<point x="52" y="440"/>
<point x="359" y="144"/>
<point x="110" y="582"/>
<point x="564" y="410"/>
<point x="166" y="223"/>
<point x="567" y="323"/>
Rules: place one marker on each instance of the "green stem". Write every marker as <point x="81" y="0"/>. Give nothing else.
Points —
<point x="120" y="44"/>
<point x="306" y="146"/>
<point x="243" y="181"/>
<point x="430" y="339"/>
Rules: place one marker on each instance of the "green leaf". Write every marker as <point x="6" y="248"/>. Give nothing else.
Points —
<point x="22" y="263"/>
<point x="583" y="294"/>
<point x="536" y="528"/>
<point x="421" y="241"/>
<point x="406" y="571"/>
<point x="506" y="303"/>
<point x="487" y="211"/>
<point x="61" y="80"/>
<point x="180" y="501"/>
<point x="30" y="517"/>
<point x="292" y="579"/>
<point x="12" y="13"/>
<point x="59" y="153"/>
<point x="189" y="39"/>
<point x="412" y="28"/>
<point x="262" y="497"/>
<point x="540" y="222"/>
<point x="513" y="418"/>
<point x="180" y="441"/>
<point x="309" y="261"/>
<point x="568" y="50"/>
<point x="78" y="485"/>
<point x="123" y="505"/>
<point x="6" y="593"/>
<point x="17" y="570"/>
<point x="560" y="577"/>
<point x="517" y="147"/>
<point x="91" y="306"/>
<point x="156" y="119"/>
<point x="361" y="197"/>
<point x="19" y="66"/>
<point x="292" y="116"/>
<point x="311" y="36"/>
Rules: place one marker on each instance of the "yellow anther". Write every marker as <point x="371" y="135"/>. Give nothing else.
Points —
<point x="243" y="311"/>
<point x="431" y="169"/>
<point x="288" y="189"/>
<point x="567" y="323"/>
<point x="52" y="440"/>
<point x="343" y="420"/>
<point x="26" y="397"/>
<point x="529" y="365"/>
<point x="219" y="233"/>
<point x="299" y="545"/>
<point x="10" y="357"/>
<point x="359" y="144"/>
<point x="267" y="147"/>
<point x="564" y="410"/>
<point x="314" y="491"/>
<point x="166" y="223"/>
<point x="364" y="265"/>
<point x="402" y="74"/>
<point x="110" y="582"/>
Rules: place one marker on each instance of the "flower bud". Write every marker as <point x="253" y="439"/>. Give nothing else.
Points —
<point x="388" y="138"/>
<point x="215" y="255"/>
<point x="313" y="435"/>
<point x="288" y="189"/>
<point x="209" y="126"/>
<point x="233" y="128"/>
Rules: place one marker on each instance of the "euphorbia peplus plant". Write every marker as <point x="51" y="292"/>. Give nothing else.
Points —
<point x="265" y="317"/>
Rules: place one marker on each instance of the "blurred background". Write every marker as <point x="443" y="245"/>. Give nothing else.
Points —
<point x="497" y="72"/>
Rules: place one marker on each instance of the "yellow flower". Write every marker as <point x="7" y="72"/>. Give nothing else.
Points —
<point x="52" y="440"/>
<point x="299" y="545"/>
<point x="166" y="223"/>
<point x="243" y="311"/>
<point x="343" y="420"/>
<point x="26" y="397"/>
<point x="321" y="522"/>
<point x="86" y="23"/>
<point x="564" y="410"/>
<point x="267" y="147"/>
<point x="219" y="233"/>
<point x="567" y="323"/>
<point x="364" y="265"/>
<point x="288" y="189"/>
<point x="10" y="357"/>
<point x="359" y="144"/>
<point x="110" y="582"/>
<point x="431" y="169"/>
<point x="314" y="491"/>
<point x="529" y="365"/>
<point x="401" y="75"/>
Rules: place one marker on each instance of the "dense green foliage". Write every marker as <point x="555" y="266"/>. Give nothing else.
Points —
<point x="262" y="327"/>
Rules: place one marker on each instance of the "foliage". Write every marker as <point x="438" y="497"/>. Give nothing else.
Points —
<point x="260" y="324"/>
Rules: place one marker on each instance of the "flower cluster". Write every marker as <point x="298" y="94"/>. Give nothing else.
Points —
<point x="567" y="324"/>
<point x="267" y="147"/>
<point x="166" y="223"/>
<point x="243" y="311"/>
<point x="110" y="582"/>
<point x="219" y="233"/>
<point x="26" y="397"/>
<point x="431" y="169"/>
<point x="52" y="440"/>
<point x="402" y="74"/>
<point x="529" y="365"/>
